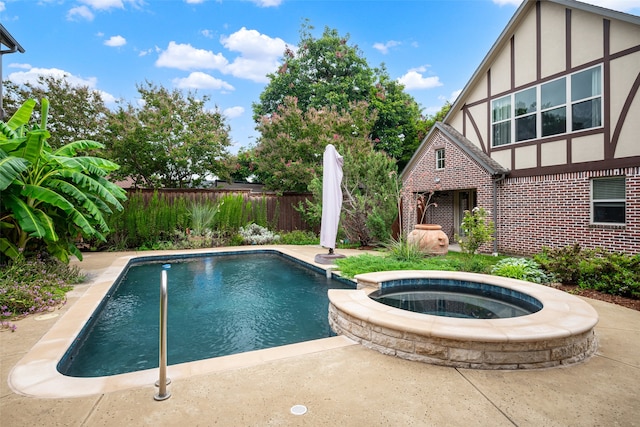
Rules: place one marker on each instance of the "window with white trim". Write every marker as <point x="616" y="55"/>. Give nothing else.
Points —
<point x="440" y="158"/>
<point x="608" y="202"/>
<point x="568" y="104"/>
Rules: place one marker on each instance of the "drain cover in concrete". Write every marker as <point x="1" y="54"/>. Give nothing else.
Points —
<point x="298" y="410"/>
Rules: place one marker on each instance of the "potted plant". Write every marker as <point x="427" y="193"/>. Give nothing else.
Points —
<point x="429" y="237"/>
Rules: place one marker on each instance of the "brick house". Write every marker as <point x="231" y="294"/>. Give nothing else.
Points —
<point x="545" y="135"/>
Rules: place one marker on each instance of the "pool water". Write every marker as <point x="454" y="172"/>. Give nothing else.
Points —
<point x="450" y="298"/>
<point x="217" y="305"/>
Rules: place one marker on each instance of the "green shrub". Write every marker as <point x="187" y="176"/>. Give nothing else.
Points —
<point x="521" y="269"/>
<point x="299" y="237"/>
<point x="144" y="224"/>
<point x="477" y="230"/>
<point x="202" y="216"/>
<point x="453" y="261"/>
<point x="232" y="214"/>
<point x="235" y="240"/>
<point x="564" y="262"/>
<point x="253" y="234"/>
<point x="613" y="273"/>
<point x="402" y="250"/>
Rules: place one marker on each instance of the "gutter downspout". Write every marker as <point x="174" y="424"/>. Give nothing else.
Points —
<point x="495" y="211"/>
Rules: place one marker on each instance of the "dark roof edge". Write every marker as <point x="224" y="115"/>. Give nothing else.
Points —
<point x="13" y="43"/>
<point x="475" y="153"/>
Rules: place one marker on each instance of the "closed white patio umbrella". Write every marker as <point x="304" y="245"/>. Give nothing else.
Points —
<point x="331" y="202"/>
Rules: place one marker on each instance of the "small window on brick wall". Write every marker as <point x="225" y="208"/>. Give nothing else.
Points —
<point x="608" y="200"/>
<point x="440" y="158"/>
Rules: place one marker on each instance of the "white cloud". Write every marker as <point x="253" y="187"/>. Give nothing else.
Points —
<point x="207" y="33"/>
<point x="107" y="98"/>
<point x="454" y="95"/>
<point x="233" y="112"/>
<point x="200" y="80"/>
<point x="3" y="7"/>
<point x="259" y="54"/>
<point x="31" y="76"/>
<point x="104" y="4"/>
<point x="252" y="44"/>
<point x="115" y="41"/>
<point x="21" y="66"/>
<point x="80" y="12"/>
<point x="414" y="79"/>
<point x="251" y="69"/>
<point x="267" y="3"/>
<point x="508" y="2"/>
<point x="186" y="57"/>
<point x="85" y="11"/>
<point x="22" y="77"/>
<point x="384" y="47"/>
<point x="194" y="1"/>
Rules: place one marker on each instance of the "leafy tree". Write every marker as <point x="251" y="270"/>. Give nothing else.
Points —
<point x="291" y="142"/>
<point x="329" y="73"/>
<point x="75" y="112"/>
<point x="170" y="141"/>
<point x="242" y="166"/>
<point x="51" y="196"/>
<point x="322" y="72"/>
<point x="370" y="205"/>
<point x="395" y="131"/>
<point x="423" y="127"/>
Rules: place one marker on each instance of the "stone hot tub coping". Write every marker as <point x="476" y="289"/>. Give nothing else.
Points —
<point x="561" y="333"/>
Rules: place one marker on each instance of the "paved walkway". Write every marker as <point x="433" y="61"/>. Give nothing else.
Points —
<point x="352" y="386"/>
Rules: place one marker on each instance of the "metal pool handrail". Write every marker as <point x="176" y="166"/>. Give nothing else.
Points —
<point x="163" y="394"/>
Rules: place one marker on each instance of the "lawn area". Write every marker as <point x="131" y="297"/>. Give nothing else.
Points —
<point x="453" y="261"/>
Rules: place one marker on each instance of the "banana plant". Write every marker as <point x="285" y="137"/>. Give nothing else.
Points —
<point x="51" y="197"/>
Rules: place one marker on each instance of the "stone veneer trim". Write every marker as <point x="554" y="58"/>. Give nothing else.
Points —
<point x="562" y="333"/>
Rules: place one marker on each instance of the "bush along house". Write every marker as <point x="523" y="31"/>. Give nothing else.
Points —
<point x="545" y="136"/>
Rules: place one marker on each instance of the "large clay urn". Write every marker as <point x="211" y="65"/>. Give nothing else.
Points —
<point x="430" y="238"/>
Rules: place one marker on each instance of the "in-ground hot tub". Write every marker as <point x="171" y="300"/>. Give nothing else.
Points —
<point x="561" y="332"/>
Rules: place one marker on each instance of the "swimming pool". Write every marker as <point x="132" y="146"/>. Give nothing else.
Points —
<point x="220" y="304"/>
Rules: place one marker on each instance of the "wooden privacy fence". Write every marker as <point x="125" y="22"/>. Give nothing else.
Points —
<point x="280" y="207"/>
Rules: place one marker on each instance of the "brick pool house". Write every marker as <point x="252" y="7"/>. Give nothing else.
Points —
<point x="545" y="135"/>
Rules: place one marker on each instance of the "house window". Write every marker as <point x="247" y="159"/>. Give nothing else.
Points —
<point x="501" y="118"/>
<point x="568" y="104"/>
<point x="608" y="200"/>
<point x="525" y="114"/>
<point x="586" y="99"/>
<point x="553" y="99"/>
<point x="440" y="158"/>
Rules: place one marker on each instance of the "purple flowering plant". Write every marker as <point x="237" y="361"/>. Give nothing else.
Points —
<point x="34" y="285"/>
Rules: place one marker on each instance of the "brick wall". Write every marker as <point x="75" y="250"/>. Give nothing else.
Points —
<point x="555" y="211"/>
<point x="551" y="210"/>
<point x="460" y="173"/>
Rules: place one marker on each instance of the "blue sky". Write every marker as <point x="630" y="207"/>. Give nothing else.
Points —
<point x="225" y="48"/>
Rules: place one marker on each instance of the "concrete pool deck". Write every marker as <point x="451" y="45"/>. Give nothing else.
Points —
<point x="347" y="384"/>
